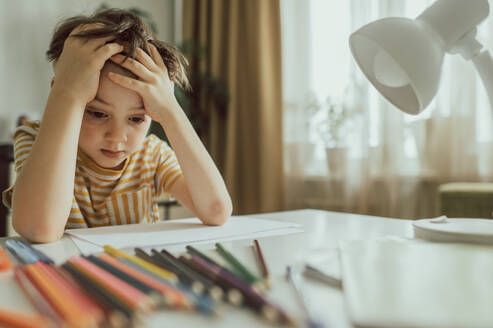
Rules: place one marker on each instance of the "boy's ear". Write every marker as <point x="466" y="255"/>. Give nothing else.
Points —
<point x="52" y="82"/>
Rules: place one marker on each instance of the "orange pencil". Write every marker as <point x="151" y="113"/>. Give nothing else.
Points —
<point x="87" y="319"/>
<point x="172" y="295"/>
<point x="21" y="320"/>
<point x="59" y="301"/>
<point x="74" y="288"/>
<point x="41" y="303"/>
<point x="128" y="294"/>
<point x="91" y="310"/>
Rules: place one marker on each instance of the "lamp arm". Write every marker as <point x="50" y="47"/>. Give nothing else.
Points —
<point x="484" y="65"/>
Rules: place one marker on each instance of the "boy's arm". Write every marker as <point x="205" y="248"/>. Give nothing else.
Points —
<point x="201" y="188"/>
<point x="44" y="188"/>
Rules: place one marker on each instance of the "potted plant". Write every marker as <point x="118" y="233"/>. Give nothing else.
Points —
<point x="333" y="129"/>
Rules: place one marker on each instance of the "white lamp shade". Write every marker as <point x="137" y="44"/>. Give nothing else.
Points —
<point x="413" y="56"/>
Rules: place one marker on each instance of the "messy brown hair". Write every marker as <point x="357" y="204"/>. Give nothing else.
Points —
<point x="128" y="30"/>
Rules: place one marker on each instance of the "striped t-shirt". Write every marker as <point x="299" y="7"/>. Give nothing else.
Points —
<point x="105" y="197"/>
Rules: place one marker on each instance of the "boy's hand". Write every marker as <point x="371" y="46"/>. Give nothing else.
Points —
<point x="154" y="84"/>
<point x="78" y="68"/>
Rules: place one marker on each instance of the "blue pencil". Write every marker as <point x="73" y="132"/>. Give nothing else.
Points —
<point x="24" y="256"/>
<point x="41" y="256"/>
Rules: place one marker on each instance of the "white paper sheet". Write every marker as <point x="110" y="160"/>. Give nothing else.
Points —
<point x="176" y="232"/>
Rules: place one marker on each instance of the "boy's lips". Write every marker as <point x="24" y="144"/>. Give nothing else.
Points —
<point x="112" y="154"/>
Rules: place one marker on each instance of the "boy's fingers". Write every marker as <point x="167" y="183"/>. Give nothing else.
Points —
<point x="156" y="56"/>
<point x="146" y="60"/>
<point x="108" y="50"/>
<point x="127" y="82"/>
<point x="94" y="43"/>
<point x="85" y="27"/>
<point x="133" y="66"/>
<point x="97" y="43"/>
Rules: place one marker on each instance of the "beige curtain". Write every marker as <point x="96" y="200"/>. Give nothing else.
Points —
<point x="242" y="42"/>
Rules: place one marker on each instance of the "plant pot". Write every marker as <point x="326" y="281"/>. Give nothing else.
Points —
<point x="298" y="155"/>
<point x="336" y="160"/>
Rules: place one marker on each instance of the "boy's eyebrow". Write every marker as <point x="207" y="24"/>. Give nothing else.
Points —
<point x="101" y="101"/>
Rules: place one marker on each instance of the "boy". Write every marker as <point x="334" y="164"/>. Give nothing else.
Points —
<point x="90" y="163"/>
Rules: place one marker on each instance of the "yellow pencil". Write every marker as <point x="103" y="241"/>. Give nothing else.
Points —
<point x="165" y="274"/>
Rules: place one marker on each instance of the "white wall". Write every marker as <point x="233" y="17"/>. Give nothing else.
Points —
<point x="26" y="27"/>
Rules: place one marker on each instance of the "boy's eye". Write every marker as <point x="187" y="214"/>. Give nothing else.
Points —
<point x="137" y="119"/>
<point x="96" y="114"/>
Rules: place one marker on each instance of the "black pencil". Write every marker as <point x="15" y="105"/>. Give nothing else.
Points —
<point x="232" y="294"/>
<point x="214" y="291"/>
<point x="193" y="251"/>
<point x="186" y="277"/>
<point x="252" y="298"/>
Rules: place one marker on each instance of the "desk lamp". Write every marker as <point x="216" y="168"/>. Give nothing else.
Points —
<point x="402" y="58"/>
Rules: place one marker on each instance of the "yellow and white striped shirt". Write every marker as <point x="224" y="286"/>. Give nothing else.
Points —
<point x="105" y="197"/>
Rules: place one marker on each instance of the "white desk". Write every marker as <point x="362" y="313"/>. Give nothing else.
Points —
<point x="323" y="230"/>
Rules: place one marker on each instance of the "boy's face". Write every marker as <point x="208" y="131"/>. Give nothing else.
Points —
<point x="114" y="124"/>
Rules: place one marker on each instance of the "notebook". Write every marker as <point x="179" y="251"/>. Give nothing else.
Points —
<point x="391" y="283"/>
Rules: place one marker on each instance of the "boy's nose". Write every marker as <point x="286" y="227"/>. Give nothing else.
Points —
<point x="116" y="133"/>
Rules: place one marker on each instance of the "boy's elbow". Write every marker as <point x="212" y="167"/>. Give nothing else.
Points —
<point x="219" y="212"/>
<point x="35" y="231"/>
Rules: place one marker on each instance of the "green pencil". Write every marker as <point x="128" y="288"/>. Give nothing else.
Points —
<point x="237" y="265"/>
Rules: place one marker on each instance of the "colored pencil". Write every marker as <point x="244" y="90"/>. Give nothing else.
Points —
<point x="36" y="252"/>
<point x="170" y="294"/>
<point x="38" y="300"/>
<point x="65" y="307"/>
<point x="193" y="251"/>
<point x="185" y="276"/>
<point x="130" y="295"/>
<point x="182" y="297"/>
<point x="107" y="299"/>
<point x="91" y="313"/>
<point x="231" y="294"/>
<point x="165" y="274"/>
<point x="252" y="298"/>
<point x="293" y="280"/>
<point x="315" y="273"/>
<point x="202" y="303"/>
<point x="20" y="254"/>
<point x="130" y="280"/>
<point x="239" y="268"/>
<point x="214" y="291"/>
<point x="4" y="260"/>
<point x="261" y="259"/>
<point x="15" y="319"/>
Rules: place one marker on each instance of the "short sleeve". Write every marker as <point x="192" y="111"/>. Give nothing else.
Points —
<point x="168" y="169"/>
<point x="23" y="140"/>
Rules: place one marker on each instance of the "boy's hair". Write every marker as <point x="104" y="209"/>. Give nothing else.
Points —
<point x="128" y="30"/>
